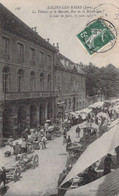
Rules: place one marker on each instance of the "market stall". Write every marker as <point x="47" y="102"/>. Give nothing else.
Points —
<point x="108" y="140"/>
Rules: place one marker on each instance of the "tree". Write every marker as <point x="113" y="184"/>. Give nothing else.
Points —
<point x="104" y="80"/>
<point x="92" y="79"/>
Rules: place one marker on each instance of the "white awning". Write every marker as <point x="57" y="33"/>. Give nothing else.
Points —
<point x="105" y="186"/>
<point x="97" y="105"/>
<point x="86" y="111"/>
<point x="74" y="114"/>
<point x="95" y="151"/>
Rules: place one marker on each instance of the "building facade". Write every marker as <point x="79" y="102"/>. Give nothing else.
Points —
<point x="70" y="84"/>
<point x="36" y="81"/>
<point x="27" y="95"/>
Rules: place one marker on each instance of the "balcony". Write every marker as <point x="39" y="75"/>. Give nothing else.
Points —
<point x="29" y="95"/>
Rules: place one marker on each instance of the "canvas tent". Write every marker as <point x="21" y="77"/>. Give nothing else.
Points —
<point x="95" y="151"/>
<point x="97" y="105"/>
<point x="105" y="186"/>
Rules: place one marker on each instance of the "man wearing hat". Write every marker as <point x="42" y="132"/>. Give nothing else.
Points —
<point x="3" y="176"/>
<point x="107" y="164"/>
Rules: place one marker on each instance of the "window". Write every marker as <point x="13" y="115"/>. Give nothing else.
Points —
<point x="20" y="52"/>
<point x="69" y="104"/>
<point x="32" y="56"/>
<point x="65" y="104"/>
<point x="6" y="79"/>
<point x="20" y="79"/>
<point x="49" y="82"/>
<point x="5" y="47"/>
<point x="32" y="81"/>
<point x="49" y="61"/>
<point x="41" y="81"/>
<point x="42" y="58"/>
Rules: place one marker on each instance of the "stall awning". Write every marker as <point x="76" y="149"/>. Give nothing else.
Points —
<point x="60" y="103"/>
<point x="97" y="105"/>
<point x="86" y="110"/>
<point x="95" y="151"/>
<point x="105" y="186"/>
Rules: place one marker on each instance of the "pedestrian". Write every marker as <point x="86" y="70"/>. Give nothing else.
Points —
<point x="69" y="142"/>
<point x="17" y="150"/>
<point x="107" y="164"/>
<point x="61" y="177"/>
<point x="43" y="142"/>
<point x="77" y="131"/>
<point x="92" y="174"/>
<point x="3" y="176"/>
<point x="117" y="154"/>
<point x="64" y="135"/>
<point x="25" y="134"/>
<point x="24" y="146"/>
<point x="60" y="180"/>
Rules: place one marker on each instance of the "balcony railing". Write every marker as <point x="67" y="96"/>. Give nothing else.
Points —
<point x="29" y="95"/>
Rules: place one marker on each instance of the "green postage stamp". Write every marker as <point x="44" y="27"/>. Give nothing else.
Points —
<point x="95" y="36"/>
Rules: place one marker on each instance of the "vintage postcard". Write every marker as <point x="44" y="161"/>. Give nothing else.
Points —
<point x="59" y="98"/>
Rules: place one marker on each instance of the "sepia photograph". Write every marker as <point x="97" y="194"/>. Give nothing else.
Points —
<point x="59" y="98"/>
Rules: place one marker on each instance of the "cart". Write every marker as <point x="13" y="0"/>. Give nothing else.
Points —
<point x="50" y="133"/>
<point x="28" y="161"/>
<point x="12" y="174"/>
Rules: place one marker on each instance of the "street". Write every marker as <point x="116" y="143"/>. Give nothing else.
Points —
<point x="43" y="179"/>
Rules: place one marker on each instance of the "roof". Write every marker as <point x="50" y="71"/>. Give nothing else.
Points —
<point x="105" y="186"/>
<point x="108" y="140"/>
<point x="11" y="23"/>
<point x="73" y="67"/>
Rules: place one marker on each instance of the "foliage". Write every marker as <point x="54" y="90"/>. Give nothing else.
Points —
<point x="104" y="80"/>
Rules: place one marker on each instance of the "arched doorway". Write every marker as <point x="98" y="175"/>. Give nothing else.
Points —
<point x="74" y="104"/>
<point x="20" y="80"/>
<point x="32" y="81"/>
<point x="6" y="79"/>
<point x="41" y="81"/>
<point x="7" y="122"/>
<point x="33" y="117"/>
<point x="41" y="114"/>
<point x="21" y="118"/>
<point x="49" y="82"/>
<point x="49" y="111"/>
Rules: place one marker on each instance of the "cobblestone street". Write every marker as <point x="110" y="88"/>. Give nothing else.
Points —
<point x="43" y="179"/>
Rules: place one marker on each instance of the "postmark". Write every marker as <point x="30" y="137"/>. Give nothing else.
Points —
<point x="98" y="34"/>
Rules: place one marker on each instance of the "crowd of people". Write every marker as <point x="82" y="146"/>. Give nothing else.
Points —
<point x="96" y="123"/>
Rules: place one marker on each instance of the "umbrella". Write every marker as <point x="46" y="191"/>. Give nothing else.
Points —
<point x="88" y="125"/>
<point x="48" y="121"/>
<point x="74" y="114"/>
<point x="106" y="185"/>
<point x="102" y="114"/>
<point x="84" y="111"/>
<point x="50" y="128"/>
<point x="95" y="151"/>
<point x="97" y="105"/>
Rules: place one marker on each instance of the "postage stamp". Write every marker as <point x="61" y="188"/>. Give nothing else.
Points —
<point x="96" y="35"/>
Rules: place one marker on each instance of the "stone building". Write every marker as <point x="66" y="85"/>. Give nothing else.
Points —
<point x="36" y="81"/>
<point x="70" y="84"/>
<point x="27" y="94"/>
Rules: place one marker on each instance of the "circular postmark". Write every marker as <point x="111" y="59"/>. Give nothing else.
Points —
<point x="105" y="10"/>
<point x="109" y="28"/>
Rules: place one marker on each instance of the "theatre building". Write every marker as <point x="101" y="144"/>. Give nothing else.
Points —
<point x="70" y="84"/>
<point x="27" y="95"/>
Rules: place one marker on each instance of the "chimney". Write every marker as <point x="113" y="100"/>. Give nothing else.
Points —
<point x="57" y="46"/>
<point x="48" y="40"/>
<point x="34" y="28"/>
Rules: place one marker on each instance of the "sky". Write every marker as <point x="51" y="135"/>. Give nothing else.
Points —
<point x="63" y="28"/>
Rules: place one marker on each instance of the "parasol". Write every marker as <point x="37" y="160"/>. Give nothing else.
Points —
<point x="106" y="185"/>
<point x="95" y="151"/>
<point x="102" y="114"/>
